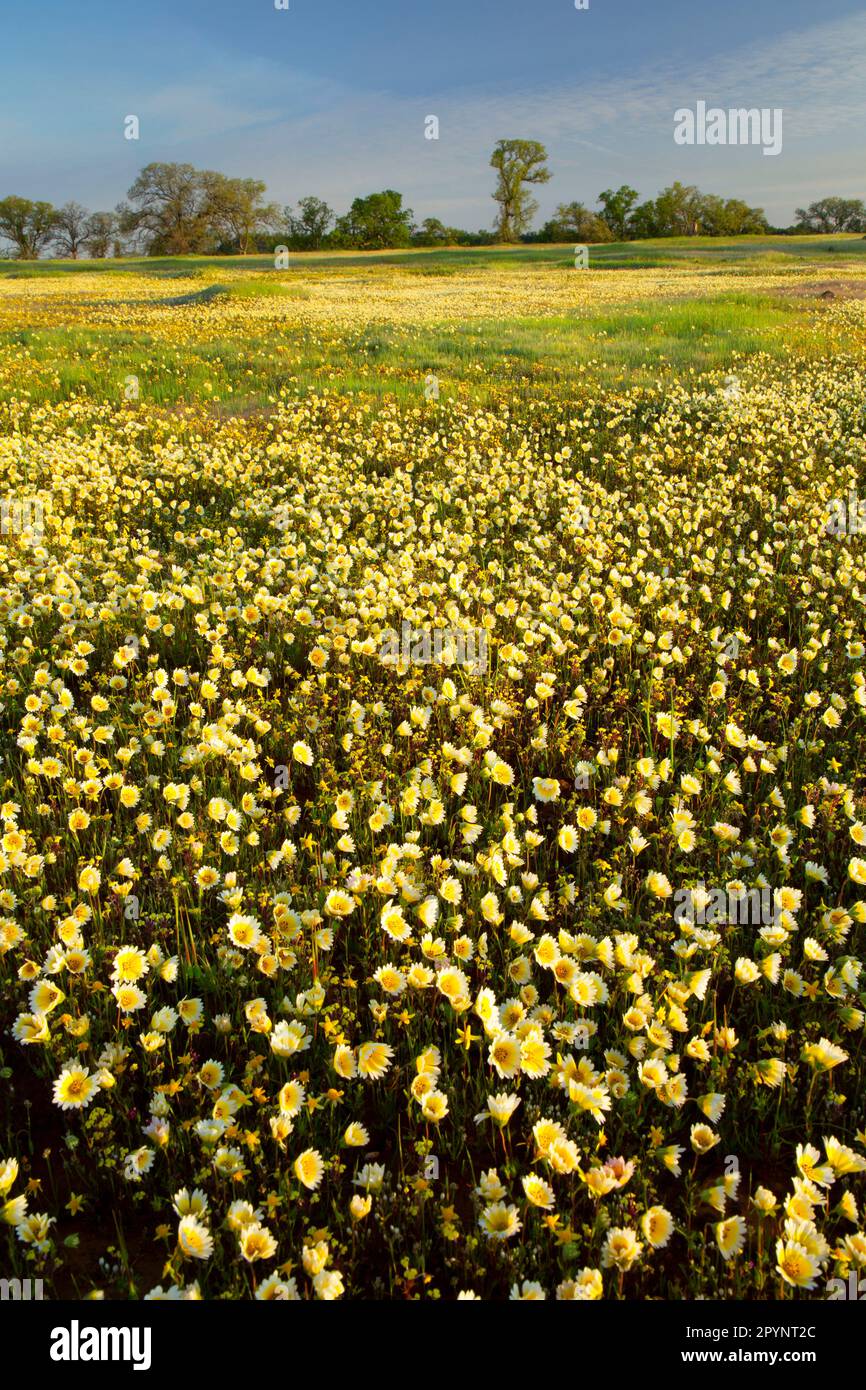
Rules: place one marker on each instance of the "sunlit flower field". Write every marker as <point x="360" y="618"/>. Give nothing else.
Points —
<point x="333" y="974"/>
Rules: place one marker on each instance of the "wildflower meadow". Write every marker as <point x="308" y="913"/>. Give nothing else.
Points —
<point x="336" y="963"/>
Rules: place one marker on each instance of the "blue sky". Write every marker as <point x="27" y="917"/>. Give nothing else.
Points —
<point x="330" y="96"/>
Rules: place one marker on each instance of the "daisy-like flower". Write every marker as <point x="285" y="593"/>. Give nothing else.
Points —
<point x="499" y="1221"/>
<point x="527" y="1292"/>
<point x="34" y="1230"/>
<point x="434" y="1107"/>
<point x="842" y="1159"/>
<point x="328" y="1285"/>
<point x="499" y="1108"/>
<point x="796" y="1266"/>
<point x="359" y="1207"/>
<point x="567" y="839"/>
<point x="29" y="1029"/>
<point x="244" y="931"/>
<point x="211" y="1074"/>
<point x="504" y="1055"/>
<point x="563" y="1155"/>
<point x="130" y="964"/>
<point x="593" y="1099"/>
<point x="585" y="1287"/>
<point x="8" y="1174"/>
<point x="339" y="904"/>
<point x="89" y="879"/>
<point x="730" y="1236"/>
<point x="659" y="884"/>
<point x="274" y="1289"/>
<point x="75" y="1088"/>
<point x="621" y="1248"/>
<point x="668" y="725"/>
<point x="256" y="1243"/>
<point x="712" y="1105"/>
<point x="854" y="1247"/>
<point x="545" y="789"/>
<point x="538" y="1192"/>
<point x="138" y="1162"/>
<point x="823" y="1055"/>
<point x="188" y="1203"/>
<point x="370" y="1177"/>
<point x="291" y="1098"/>
<point x="390" y="979"/>
<point x="13" y="1212"/>
<point x="344" y="1062"/>
<point x="657" y="1226"/>
<point x="703" y="1139"/>
<point x="356" y="1136"/>
<point x="194" y="1238"/>
<point x="241" y="1214"/>
<point x="394" y="923"/>
<point x="374" y="1060"/>
<point x="309" y="1168"/>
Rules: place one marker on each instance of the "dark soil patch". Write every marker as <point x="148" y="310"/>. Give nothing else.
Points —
<point x="827" y="290"/>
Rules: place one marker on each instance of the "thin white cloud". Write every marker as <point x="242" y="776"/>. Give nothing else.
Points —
<point x="306" y="134"/>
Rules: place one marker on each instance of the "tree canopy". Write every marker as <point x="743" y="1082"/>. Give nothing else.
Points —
<point x="518" y="163"/>
<point x="29" y="226"/>
<point x="375" y="222"/>
<point x="176" y="209"/>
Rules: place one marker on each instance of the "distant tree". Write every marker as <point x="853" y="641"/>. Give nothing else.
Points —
<point x="616" y="207"/>
<point x="166" y="211"/>
<point x="678" y="210"/>
<point x="741" y="219"/>
<point x="713" y="221"/>
<point x="70" y="229"/>
<point x="433" y="232"/>
<point x="730" y="217"/>
<point x="833" y="215"/>
<point x="574" y="222"/>
<point x="29" y="226"/>
<point x="309" y="228"/>
<point x="99" y="232"/>
<point x="643" y="223"/>
<point x="683" y="210"/>
<point x="234" y="210"/>
<point x="518" y="163"/>
<point x="375" y="222"/>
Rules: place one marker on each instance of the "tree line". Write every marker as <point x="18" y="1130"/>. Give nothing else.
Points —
<point x="177" y="210"/>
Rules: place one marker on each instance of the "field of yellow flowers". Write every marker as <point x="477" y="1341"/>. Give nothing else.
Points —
<point x="335" y="964"/>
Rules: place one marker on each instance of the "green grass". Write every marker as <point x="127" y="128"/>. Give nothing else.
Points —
<point x="639" y="344"/>
<point x="265" y="289"/>
<point x="659" y="251"/>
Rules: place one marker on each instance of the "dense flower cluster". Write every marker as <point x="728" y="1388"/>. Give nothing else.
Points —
<point x="336" y="976"/>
